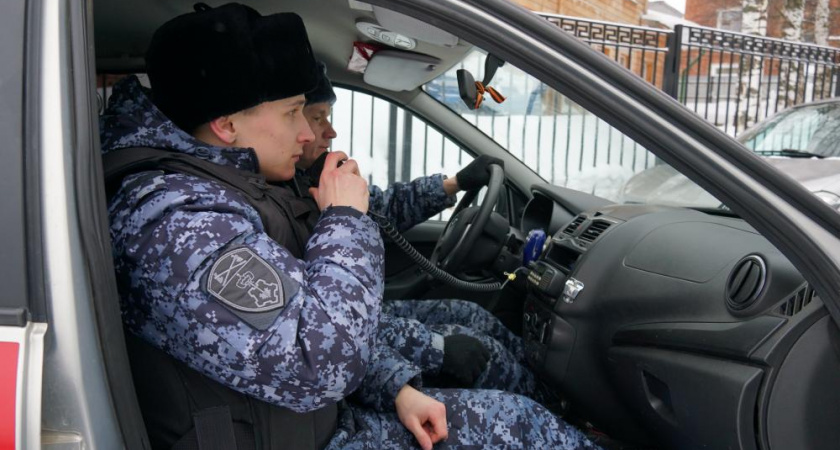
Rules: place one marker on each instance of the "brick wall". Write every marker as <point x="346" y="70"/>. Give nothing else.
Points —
<point x="834" y="23"/>
<point x="704" y="12"/>
<point x="621" y="11"/>
<point x="774" y="18"/>
<point x="549" y="6"/>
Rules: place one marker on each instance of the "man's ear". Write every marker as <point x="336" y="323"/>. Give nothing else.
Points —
<point x="224" y="129"/>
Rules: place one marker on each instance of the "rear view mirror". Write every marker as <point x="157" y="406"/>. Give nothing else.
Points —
<point x="467" y="89"/>
<point x="472" y="93"/>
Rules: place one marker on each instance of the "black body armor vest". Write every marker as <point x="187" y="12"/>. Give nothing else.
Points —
<point x="183" y="409"/>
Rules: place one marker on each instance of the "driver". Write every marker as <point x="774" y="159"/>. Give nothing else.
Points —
<point x="264" y="335"/>
<point x="418" y="329"/>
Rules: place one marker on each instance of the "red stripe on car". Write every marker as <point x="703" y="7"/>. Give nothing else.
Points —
<point x="8" y="387"/>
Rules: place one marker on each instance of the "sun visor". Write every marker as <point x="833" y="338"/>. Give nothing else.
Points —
<point x="400" y="71"/>
<point x="412" y="27"/>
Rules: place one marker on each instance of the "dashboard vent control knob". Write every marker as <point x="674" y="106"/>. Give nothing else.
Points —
<point x="746" y="282"/>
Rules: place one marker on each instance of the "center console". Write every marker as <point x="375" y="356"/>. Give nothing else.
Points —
<point x="551" y="282"/>
<point x="548" y="283"/>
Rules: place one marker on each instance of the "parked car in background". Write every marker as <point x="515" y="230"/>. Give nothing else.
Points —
<point x="802" y="141"/>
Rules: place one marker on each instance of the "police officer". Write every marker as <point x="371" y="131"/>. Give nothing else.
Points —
<point x="470" y="336"/>
<point x="257" y="347"/>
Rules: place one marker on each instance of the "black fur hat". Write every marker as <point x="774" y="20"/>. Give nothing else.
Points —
<point x="218" y="61"/>
<point x="323" y="92"/>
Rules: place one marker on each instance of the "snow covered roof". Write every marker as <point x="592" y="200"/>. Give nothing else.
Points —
<point x="663" y="7"/>
<point x="666" y="20"/>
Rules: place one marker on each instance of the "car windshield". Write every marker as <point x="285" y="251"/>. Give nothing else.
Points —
<point x="806" y="131"/>
<point x="564" y="143"/>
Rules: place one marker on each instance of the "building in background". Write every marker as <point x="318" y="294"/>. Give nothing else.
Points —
<point x="721" y="14"/>
<point x="730" y="66"/>
<point x="816" y="14"/>
<point x="660" y="14"/>
<point x="619" y="11"/>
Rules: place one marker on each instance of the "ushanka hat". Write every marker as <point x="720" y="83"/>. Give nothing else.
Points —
<point x="218" y="61"/>
<point x="323" y="92"/>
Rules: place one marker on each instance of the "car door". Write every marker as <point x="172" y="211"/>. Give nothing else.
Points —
<point x="22" y="309"/>
<point x="59" y="312"/>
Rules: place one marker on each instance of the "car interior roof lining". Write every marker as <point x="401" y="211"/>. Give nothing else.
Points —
<point x="123" y="30"/>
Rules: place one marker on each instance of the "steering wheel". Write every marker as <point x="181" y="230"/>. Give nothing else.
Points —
<point x="462" y="230"/>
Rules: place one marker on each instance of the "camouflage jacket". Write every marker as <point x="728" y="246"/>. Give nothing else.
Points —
<point x="404" y="348"/>
<point x="200" y="279"/>
<point x="405" y="204"/>
<point x="408" y="204"/>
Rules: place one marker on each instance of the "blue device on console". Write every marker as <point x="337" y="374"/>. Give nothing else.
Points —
<point x="533" y="246"/>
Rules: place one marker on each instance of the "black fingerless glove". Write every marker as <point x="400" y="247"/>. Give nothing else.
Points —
<point x="464" y="359"/>
<point x="477" y="174"/>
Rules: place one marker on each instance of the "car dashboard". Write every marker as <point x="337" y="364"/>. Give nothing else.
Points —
<point x="674" y="326"/>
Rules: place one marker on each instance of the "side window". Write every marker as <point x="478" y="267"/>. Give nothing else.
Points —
<point x="391" y="144"/>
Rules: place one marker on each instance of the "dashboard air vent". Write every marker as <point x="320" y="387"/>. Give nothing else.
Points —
<point x="797" y="301"/>
<point x="572" y="227"/>
<point x="595" y="229"/>
<point x="746" y="282"/>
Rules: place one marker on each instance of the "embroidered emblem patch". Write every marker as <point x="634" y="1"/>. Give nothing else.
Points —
<point x="243" y="281"/>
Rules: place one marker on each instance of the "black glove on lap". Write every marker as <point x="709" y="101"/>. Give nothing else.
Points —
<point x="477" y="174"/>
<point x="464" y="358"/>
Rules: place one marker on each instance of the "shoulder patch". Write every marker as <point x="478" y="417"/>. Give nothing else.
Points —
<point x="245" y="282"/>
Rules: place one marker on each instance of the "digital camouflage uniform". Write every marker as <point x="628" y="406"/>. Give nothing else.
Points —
<point x="411" y="325"/>
<point x="315" y="342"/>
<point x="404" y="324"/>
<point x="168" y="230"/>
<point x="416" y="328"/>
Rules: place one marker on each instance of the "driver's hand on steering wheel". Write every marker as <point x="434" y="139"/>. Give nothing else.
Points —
<point x="477" y="173"/>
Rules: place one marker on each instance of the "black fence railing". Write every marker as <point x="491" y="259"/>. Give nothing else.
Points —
<point x="735" y="80"/>
<point x="642" y="50"/>
<point x="732" y="79"/>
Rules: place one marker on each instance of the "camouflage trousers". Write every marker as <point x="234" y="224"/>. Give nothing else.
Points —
<point x="476" y="419"/>
<point x="405" y="326"/>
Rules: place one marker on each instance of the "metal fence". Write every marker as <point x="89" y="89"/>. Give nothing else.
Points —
<point x="732" y="79"/>
<point x="735" y="80"/>
<point x="566" y="144"/>
<point x="642" y="50"/>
